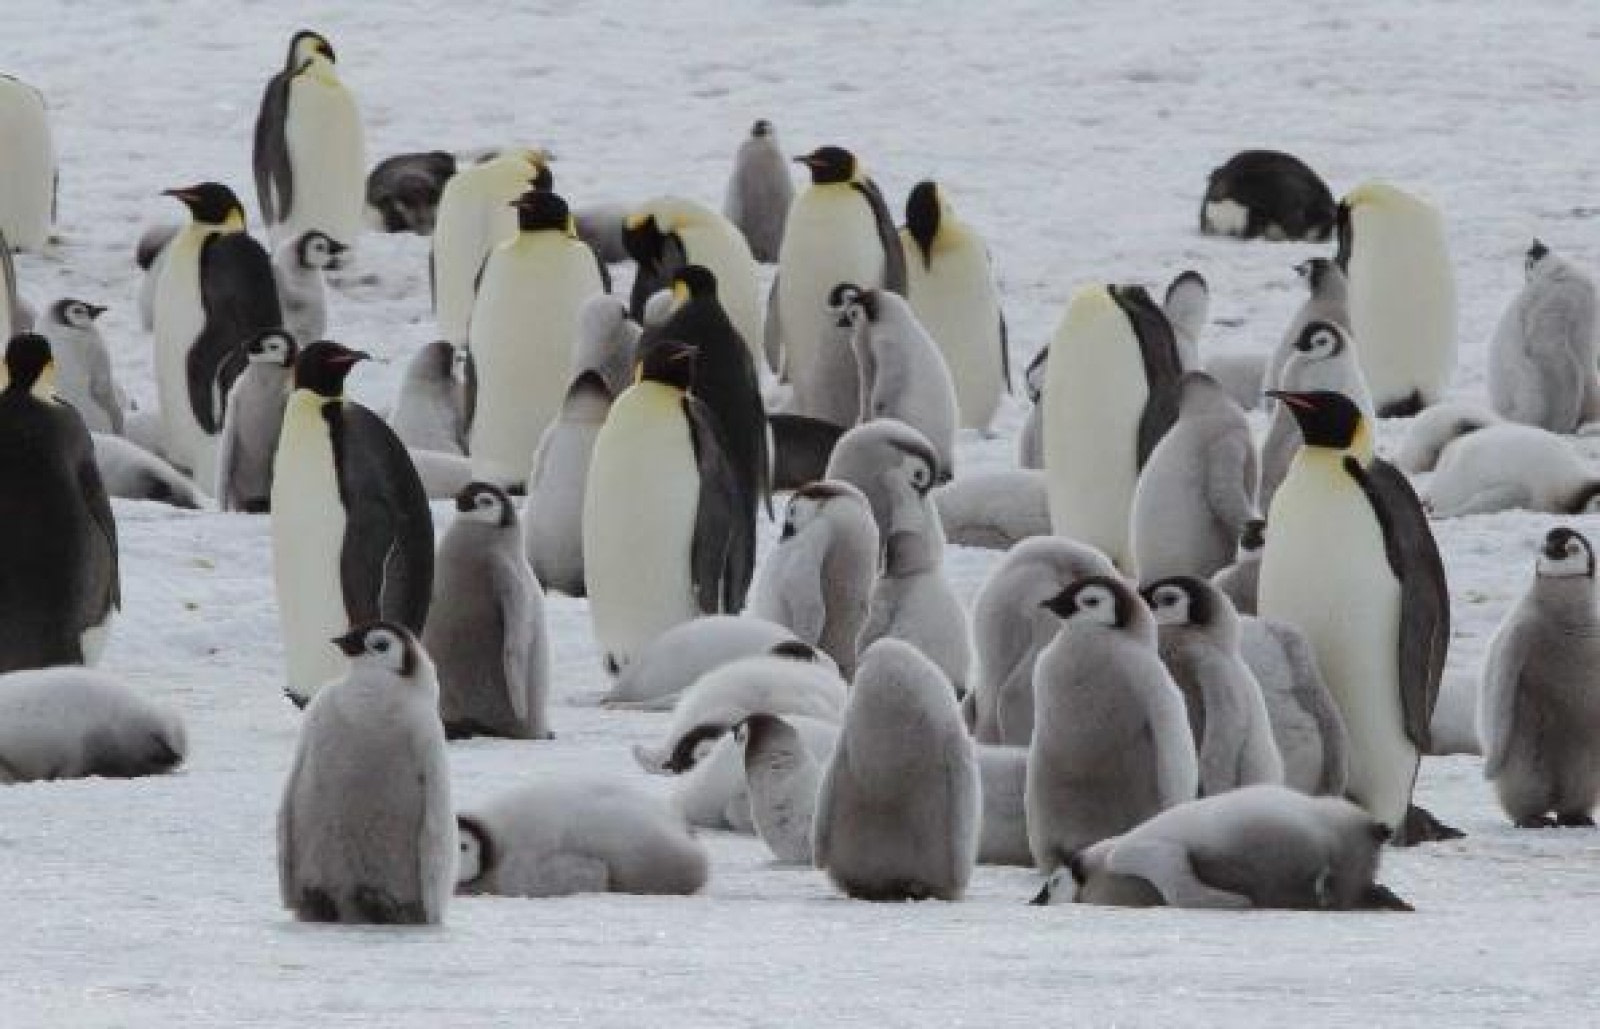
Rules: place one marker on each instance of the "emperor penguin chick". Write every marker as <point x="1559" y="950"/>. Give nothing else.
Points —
<point x="429" y="413"/>
<point x="253" y="422"/>
<point x="898" y="809"/>
<point x="1306" y="723"/>
<point x="1327" y="300"/>
<point x="1187" y="305"/>
<point x="1539" y="714"/>
<point x="1322" y="357"/>
<point x="1197" y="490"/>
<point x="553" y="516"/>
<point x="83" y="364"/>
<point x="1239" y="581"/>
<point x="487" y="631"/>
<point x="760" y="192"/>
<point x="1111" y="739"/>
<point x="1542" y="356"/>
<point x="1199" y="644"/>
<point x="299" y="266"/>
<point x="608" y="342"/>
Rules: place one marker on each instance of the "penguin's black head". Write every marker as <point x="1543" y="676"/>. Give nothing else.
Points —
<point x="27" y="356"/>
<point x="1181" y="600"/>
<point x="829" y="164"/>
<point x="305" y="45"/>
<point x="1566" y="552"/>
<point x="852" y="305"/>
<point x="669" y="361"/>
<point x="644" y="241"/>
<point x="1254" y="535"/>
<point x="317" y="250"/>
<point x="761" y="129"/>
<point x="922" y="217"/>
<point x="695" y="281"/>
<point x="539" y="210"/>
<point x="388" y="645"/>
<point x="210" y="203"/>
<point x="76" y="313"/>
<point x="1327" y="419"/>
<point x="274" y="346"/>
<point x="488" y="503"/>
<point x="1098" y="598"/>
<point x="1536" y="253"/>
<point x="1320" y="341"/>
<point x="544" y="180"/>
<point x="323" y="366"/>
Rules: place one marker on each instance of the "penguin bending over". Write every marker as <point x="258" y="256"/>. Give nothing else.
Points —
<point x="608" y="342"/>
<point x="83" y="364"/>
<point x="1435" y="429"/>
<point x="1542" y="356"/>
<point x="552" y="518"/>
<point x="759" y="194"/>
<point x="253" y="423"/>
<point x="889" y="462"/>
<point x="1267" y="194"/>
<point x="1322" y="357"/>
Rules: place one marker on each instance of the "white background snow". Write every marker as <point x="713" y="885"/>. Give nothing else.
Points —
<point x="1079" y="138"/>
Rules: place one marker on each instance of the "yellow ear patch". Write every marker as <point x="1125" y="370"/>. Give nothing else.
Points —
<point x="633" y="221"/>
<point x="680" y="292"/>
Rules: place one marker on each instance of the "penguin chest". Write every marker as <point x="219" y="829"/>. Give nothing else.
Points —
<point x="955" y="301"/>
<point x="179" y="317"/>
<point x="326" y="159"/>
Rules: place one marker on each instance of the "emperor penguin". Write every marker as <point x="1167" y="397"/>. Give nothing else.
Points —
<point x="1240" y="581"/>
<point x="83" y="364"/>
<point x="1198" y="634"/>
<point x="1503" y="467"/>
<point x="352" y="535"/>
<point x="1392" y="248"/>
<point x="897" y="813"/>
<point x="818" y="581"/>
<point x="1352" y="563"/>
<point x="475" y="216"/>
<point x="58" y="537"/>
<point x="1198" y="488"/>
<point x="366" y="832"/>
<point x="253" y="423"/>
<point x="663" y="518"/>
<point x="524" y="328"/>
<point x="1542" y="357"/>
<point x="584" y="834"/>
<point x="715" y="793"/>
<point x="782" y="777"/>
<point x="675" y="660"/>
<point x="71" y="723"/>
<point x="951" y="287"/>
<point x="994" y="510"/>
<point x="486" y="631"/>
<point x="760" y="191"/>
<point x="131" y="472"/>
<point x="1257" y="847"/>
<point x="403" y="191"/>
<point x="215" y="294"/>
<point x="1322" y="357"/>
<point x="28" y="174"/>
<point x="1267" y="194"/>
<point x="838" y="230"/>
<point x="1539" y="713"/>
<point x="553" y="516"/>
<point x="889" y="462"/>
<point x="1111" y="740"/>
<point x="310" y="158"/>
<point x="1011" y="625"/>
<point x="1030" y="441"/>
<point x="1111" y="394"/>
<point x="1187" y="305"/>
<point x="608" y="342"/>
<point x="902" y="375"/>
<point x="1327" y="300"/>
<point x="1306" y="723"/>
<point x="429" y="414"/>
<point x="667" y="233"/>
<point x="1431" y="432"/>
<point x="299" y="265"/>
<point x="150" y="254"/>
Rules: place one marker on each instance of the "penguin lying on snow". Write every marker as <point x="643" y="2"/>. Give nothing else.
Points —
<point x="403" y="191"/>
<point x="130" y="472"/>
<point x="1267" y="194"/>
<point x="1430" y="432"/>
<point x="675" y="660"/>
<point x="1503" y="467"/>
<point x="994" y="510"/>
<point x="69" y="723"/>
<point x="715" y="793"/>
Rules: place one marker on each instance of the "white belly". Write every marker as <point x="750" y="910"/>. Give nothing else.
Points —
<point x="524" y="329"/>
<point x="474" y="217"/>
<point x="831" y="238"/>
<point x="1227" y="217"/>
<point x="1325" y="571"/>
<point x="638" y="522"/>
<point x="720" y="248"/>
<point x="27" y="167"/>
<point x="308" y="524"/>
<point x="1403" y="304"/>
<point x="957" y="303"/>
<point x="179" y="317"/>
<point x="327" y="160"/>
<point x="1094" y="397"/>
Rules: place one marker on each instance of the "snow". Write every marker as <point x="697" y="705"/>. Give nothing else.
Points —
<point x="1078" y="137"/>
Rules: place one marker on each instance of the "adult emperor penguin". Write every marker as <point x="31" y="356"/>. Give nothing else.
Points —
<point x="1392" y="248"/>
<point x="1542" y="356"/>
<point x="524" y="328"/>
<point x="253" y="423"/>
<point x="1539" y="714"/>
<point x="1198" y="489"/>
<point x="950" y="284"/>
<point x="667" y="233"/>
<point x="215" y="294"/>
<point x="366" y="832"/>
<point x="27" y="167"/>
<point x="1327" y="300"/>
<point x="58" y="538"/>
<point x="83" y="364"/>
<point x="760" y="192"/>
<point x="352" y="536"/>
<point x="1111" y="393"/>
<point x="839" y="230"/>
<point x="552" y="520"/>
<point x="299" y="266"/>
<point x="486" y="633"/>
<point x="1322" y="357"/>
<point x="1267" y="194"/>
<point x="403" y="191"/>
<point x="663" y="519"/>
<point x="1352" y="563"/>
<point x="310" y="160"/>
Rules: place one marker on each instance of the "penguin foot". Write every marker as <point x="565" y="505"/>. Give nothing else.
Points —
<point x="1575" y="820"/>
<point x="1380" y="898"/>
<point x="1421" y="827"/>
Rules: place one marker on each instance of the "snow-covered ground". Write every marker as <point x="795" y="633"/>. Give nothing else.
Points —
<point x="1079" y="137"/>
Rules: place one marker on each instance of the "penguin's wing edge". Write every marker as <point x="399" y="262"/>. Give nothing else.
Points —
<point x="274" y="179"/>
<point x="719" y="562"/>
<point x="894" y="255"/>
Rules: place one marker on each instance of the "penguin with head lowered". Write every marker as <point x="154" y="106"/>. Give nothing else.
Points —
<point x="664" y="517"/>
<point x="352" y="536"/>
<point x="216" y="293"/>
<point x="58" y="538"/>
<point x="1352" y="563"/>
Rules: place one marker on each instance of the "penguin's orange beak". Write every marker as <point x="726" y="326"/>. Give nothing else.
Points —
<point x="186" y="194"/>
<point x="1298" y="401"/>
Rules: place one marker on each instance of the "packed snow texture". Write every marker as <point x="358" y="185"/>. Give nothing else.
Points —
<point x="1078" y="137"/>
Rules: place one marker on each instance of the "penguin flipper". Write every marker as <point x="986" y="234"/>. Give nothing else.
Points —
<point x="771" y="335"/>
<point x="894" y="255"/>
<point x="99" y="504"/>
<point x="239" y="293"/>
<point x="720" y="561"/>
<point x="1424" y="596"/>
<point x="386" y="562"/>
<point x="1497" y="697"/>
<point x="274" y="178"/>
<point x="8" y="286"/>
<point x="801" y="446"/>
<point x="1163" y="369"/>
<point x="1005" y="354"/>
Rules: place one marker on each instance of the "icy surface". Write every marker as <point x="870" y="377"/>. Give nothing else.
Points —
<point x="1078" y="136"/>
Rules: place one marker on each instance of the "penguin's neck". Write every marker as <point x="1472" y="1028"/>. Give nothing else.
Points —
<point x="910" y="553"/>
<point x="1568" y="601"/>
<point x="320" y="69"/>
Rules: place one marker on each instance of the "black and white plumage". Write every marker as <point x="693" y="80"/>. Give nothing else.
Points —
<point x="70" y="723"/>
<point x="403" y="191"/>
<point x="1322" y="358"/>
<point x="83" y="364"/>
<point x="299" y="266"/>
<point x="1267" y="194"/>
<point x="1327" y="300"/>
<point x="1542" y="355"/>
<point x="760" y="191"/>
<point x="253" y="423"/>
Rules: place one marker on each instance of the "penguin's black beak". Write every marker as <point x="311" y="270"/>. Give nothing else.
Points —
<point x="95" y="310"/>
<point x="345" y="357"/>
<point x="809" y="160"/>
<point x="186" y="195"/>
<point x="352" y="643"/>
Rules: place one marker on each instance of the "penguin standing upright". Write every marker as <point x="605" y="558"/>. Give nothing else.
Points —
<point x="1322" y="357"/>
<point x="1351" y="562"/>
<point x="352" y="536"/>
<point x="310" y="161"/>
<point x="1542" y="356"/>
<point x="839" y="230"/>
<point x="1111" y="393"/>
<point x="524" y="328"/>
<point x="552" y="520"/>
<point x="760" y="192"/>
<point x="299" y="266"/>
<point x="27" y="167"/>
<point x="950" y="285"/>
<point x="83" y="364"/>
<point x="58" y="539"/>
<point x="253" y="423"/>
<point x="1392" y="248"/>
<point x="663" y="517"/>
<point x="1328" y="300"/>
<point x="215" y="294"/>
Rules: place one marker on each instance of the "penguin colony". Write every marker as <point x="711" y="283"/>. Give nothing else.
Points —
<point x="1203" y="674"/>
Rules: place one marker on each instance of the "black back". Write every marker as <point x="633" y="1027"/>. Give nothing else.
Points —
<point x="1162" y="368"/>
<point x="1275" y="189"/>
<point x="240" y="298"/>
<point x="654" y="274"/>
<point x="270" y="159"/>
<point x="801" y="447"/>
<point x="723" y="552"/>
<point x="894" y="255"/>
<point x="405" y="189"/>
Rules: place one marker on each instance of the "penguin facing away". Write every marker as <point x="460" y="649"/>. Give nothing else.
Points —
<point x="759" y="193"/>
<point x="403" y="191"/>
<point x="28" y="174"/>
<point x="782" y="777"/>
<point x="552" y="519"/>
<point x="608" y="342"/>
<point x="1267" y="194"/>
<point x="1542" y="355"/>
<point x="253" y="423"/>
<point x="83" y="364"/>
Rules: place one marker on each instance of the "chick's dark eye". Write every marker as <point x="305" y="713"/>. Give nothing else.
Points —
<point x="380" y="645"/>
